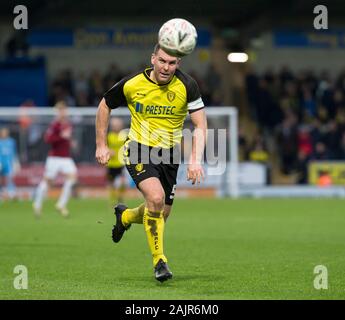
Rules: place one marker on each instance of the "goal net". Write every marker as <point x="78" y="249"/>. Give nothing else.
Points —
<point x="28" y="124"/>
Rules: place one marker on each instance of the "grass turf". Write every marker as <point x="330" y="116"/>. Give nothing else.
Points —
<point x="217" y="249"/>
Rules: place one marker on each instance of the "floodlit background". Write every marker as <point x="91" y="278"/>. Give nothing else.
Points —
<point x="264" y="59"/>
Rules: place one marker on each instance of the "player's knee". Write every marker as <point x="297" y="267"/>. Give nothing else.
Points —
<point x="157" y="200"/>
<point x="47" y="182"/>
<point x="72" y="179"/>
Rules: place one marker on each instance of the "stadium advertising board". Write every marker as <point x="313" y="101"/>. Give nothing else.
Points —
<point x="103" y="37"/>
<point x="333" y="170"/>
<point x="309" y="39"/>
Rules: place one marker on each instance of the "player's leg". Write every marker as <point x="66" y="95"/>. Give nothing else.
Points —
<point x="126" y="216"/>
<point x="154" y="195"/>
<point x="65" y="194"/>
<point x="138" y="171"/>
<point x="10" y="187"/>
<point x="70" y="171"/>
<point x="7" y="171"/>
<point x="135" y="215"/>
<point x="111" y="186"/>
<point x="1" y="184"/>
<point x="122" y="185"/>
<point x="9" y="184"/>
<point x="40" y="195"/>
<point x="50" y="172"/>
<point x="2" y="180"/>
<point x="167" y="179"/>
<point x="117" y="185"/>
<point x="168" y="175"/>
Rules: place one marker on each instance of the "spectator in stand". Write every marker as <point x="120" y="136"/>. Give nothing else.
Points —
<point x="321" y="152"/>
<point x="268" y="113"/>
<point x="112" y="76"/>
<point x="259" y="153"/>
<point x="289" y="101"/>
<point x="308" y="103"/>
<point x="342" y="147"/>
<point x="305" y="142"/>
<point x="287" y="140"/>
<point x="212" y="86"/>
<point x="332" y="138"/>
<point x="252" y="86"/>
<point x="302" y="167"/>
<point x="285" y="75"/>
<point x="96" y="87"/>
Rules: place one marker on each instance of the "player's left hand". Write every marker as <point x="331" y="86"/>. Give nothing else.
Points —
<point x="102" y="155"/>
<point x="66" y="134"/>
<point x="195" y="173"/>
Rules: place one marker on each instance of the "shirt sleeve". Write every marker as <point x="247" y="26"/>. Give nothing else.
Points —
<point x="195" y="105"/>
<point x="194" y="100"/>
<point x="115" y="96"/>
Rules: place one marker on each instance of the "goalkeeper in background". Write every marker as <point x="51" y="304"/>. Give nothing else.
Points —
<point x="115" y="171"/>
<point x="8" y="163"/>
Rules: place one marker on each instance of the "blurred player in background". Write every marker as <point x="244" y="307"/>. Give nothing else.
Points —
<point x="115" y="173"/>
<point x="159" y="100"/>
<point x="8" y="164"/>
<point x="59" y="136"/>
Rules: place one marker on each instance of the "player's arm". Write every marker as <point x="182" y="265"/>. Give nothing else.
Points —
<point x="113" y="98"/>
<point x="102" y="122"/>
<point x="195" y="172"/>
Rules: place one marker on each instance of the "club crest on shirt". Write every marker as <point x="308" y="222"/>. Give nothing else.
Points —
<point x="139" y="167"/>
<point x="171" y="95"/>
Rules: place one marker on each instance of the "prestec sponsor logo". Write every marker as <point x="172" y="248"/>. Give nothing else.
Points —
<point x="154" y="110"/>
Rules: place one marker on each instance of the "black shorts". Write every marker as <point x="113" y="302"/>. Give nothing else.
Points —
<point x="112" y="173"/>
<point x="144" y="162"/>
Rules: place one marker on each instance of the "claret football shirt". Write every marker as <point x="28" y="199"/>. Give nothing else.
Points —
<point x="60" y="146"/>
<point x="158" y="111"/>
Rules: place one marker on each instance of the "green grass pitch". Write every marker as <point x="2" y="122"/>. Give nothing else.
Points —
<point x="217" y="249"/>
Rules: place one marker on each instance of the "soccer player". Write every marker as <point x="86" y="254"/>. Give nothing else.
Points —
<point x="115" y="174"/>
<point x="159" y="99"/>
<point x="8" y="159"/>
<point x="59" y="136"/>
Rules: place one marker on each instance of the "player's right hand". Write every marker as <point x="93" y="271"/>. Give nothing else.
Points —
<point x="67" y="133"/>
<point x="195" y="173"/>
<point x="102" y="155"/>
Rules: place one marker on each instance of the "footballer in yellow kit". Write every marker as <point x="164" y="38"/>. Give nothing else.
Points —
<point x="115" y="173"/>
<point x="159" y="100"/>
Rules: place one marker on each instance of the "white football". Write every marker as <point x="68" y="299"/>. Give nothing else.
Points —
<point x="177" y="37"/>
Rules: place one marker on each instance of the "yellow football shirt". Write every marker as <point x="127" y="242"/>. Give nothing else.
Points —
<point x="157" y="111"/>
<point x="115" y="143"/>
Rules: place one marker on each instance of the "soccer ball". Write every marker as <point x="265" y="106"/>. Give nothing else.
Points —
<point x="177" y="37"/>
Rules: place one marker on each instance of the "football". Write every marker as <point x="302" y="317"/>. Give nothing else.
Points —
<point x="177" y="37"/>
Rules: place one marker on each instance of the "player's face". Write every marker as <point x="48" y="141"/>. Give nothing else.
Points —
<point x="62" y="113"/>
<point x="164" y="66"/>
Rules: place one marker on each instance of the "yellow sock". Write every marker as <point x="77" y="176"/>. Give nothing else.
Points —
<point x="154" y="228"/>
<point x="133" y="215"/>
<point x="121" y="192"/>
<point x="112" y="195"/>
